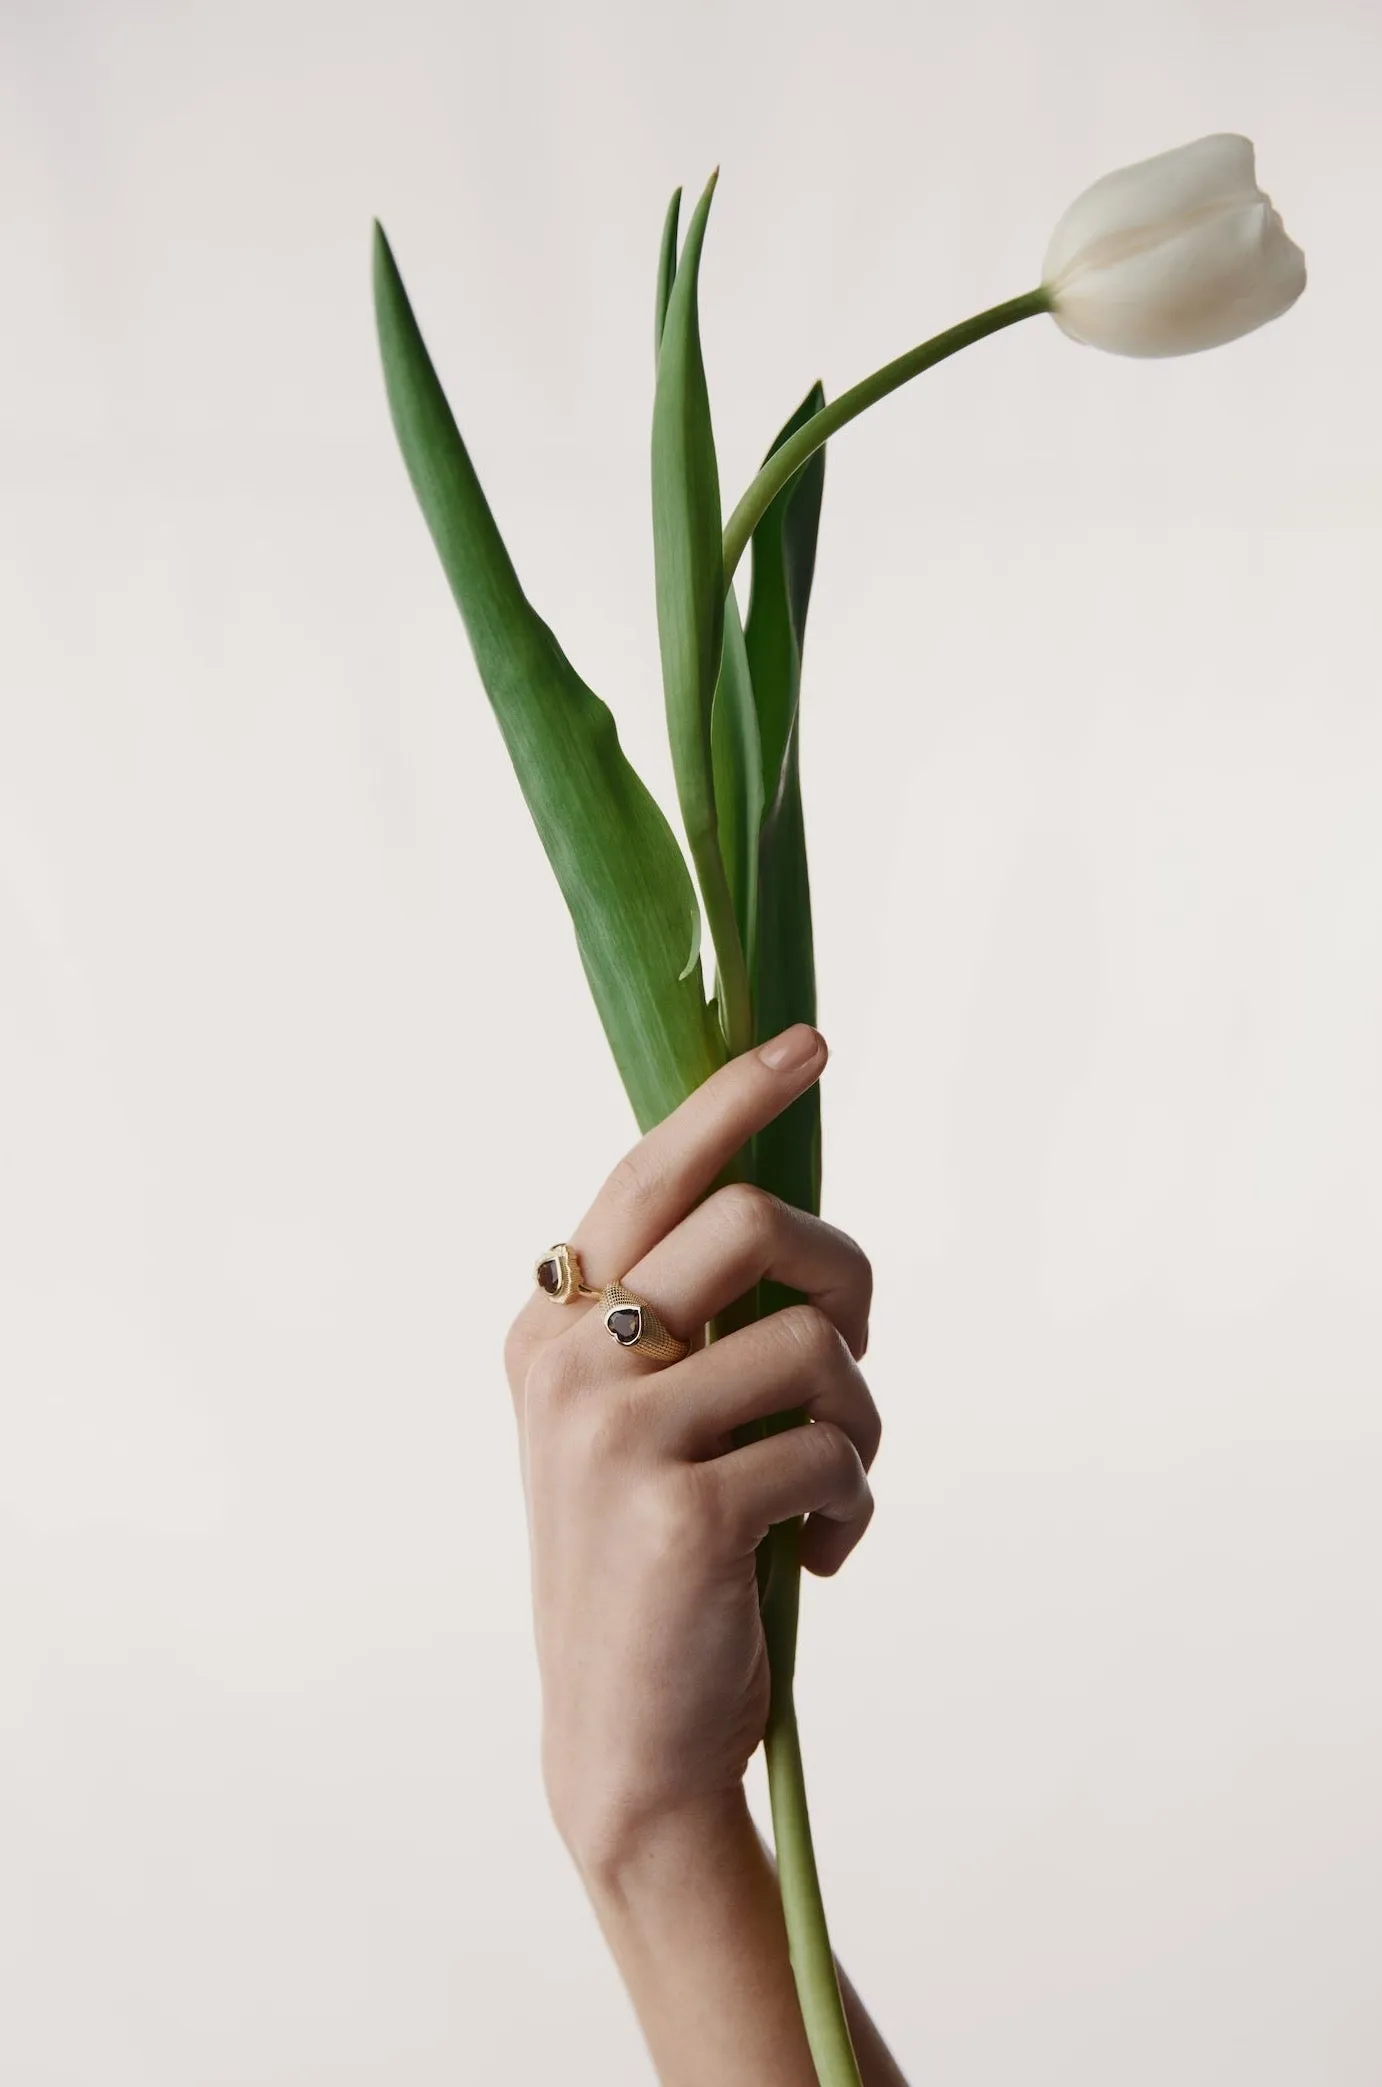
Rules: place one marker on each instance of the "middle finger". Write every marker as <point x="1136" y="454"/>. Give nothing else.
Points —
<point x="791" y="1359"/>
<point x="741" y="1236"/>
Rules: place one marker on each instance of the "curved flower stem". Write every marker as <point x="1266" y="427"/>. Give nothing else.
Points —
<point x="808" y="1937"/>
<point x="779" y="1565"/>
<point x="839" y="412"/>
<point x="803" y="1907"/>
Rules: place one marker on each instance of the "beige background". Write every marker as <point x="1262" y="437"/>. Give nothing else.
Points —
<point x="291" y="1027"/>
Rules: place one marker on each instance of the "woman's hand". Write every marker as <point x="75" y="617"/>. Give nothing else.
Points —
<point x="644" y="1517"/>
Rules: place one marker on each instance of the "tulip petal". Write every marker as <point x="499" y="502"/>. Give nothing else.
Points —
<point x="1217" y="279"/>
<point x="1141" y="200"/>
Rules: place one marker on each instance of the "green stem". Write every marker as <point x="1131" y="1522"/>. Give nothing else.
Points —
<point x="803" y="1907"/>
<point x="831" y="418"/>
<point x="779" y="1566"/>
<point x="808" y="1937"/>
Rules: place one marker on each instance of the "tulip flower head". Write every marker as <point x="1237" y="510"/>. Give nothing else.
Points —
<point x="1172" y="255"/>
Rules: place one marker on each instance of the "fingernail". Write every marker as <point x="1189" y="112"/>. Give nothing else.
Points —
<point x="794" y="1050"/>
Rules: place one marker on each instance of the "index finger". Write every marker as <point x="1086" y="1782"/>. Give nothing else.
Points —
<point x="668" y="1171"/>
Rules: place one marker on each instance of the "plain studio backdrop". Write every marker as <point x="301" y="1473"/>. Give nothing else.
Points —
<point x="298" y="1070"/>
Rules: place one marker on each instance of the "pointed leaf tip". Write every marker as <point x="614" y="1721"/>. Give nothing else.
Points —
<point x="666" y="270"/>
<point x="689" y="572"/>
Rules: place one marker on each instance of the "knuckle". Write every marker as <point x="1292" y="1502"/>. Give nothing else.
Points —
<point x="827" y="1561"/>
<point x="863" y="1419"/>
<point x="861" y="1265"/>
<point x="831" y="1446"/>
<point x="750" y="1212"/>
<point x="681" y="1512"/>
<point x="603" y="1428"/>
<point x="593" y="1423"/>
<point x="813" y="1333"/>
<point x="635" y="1181"/>
<point x="525" y="1339"/>
<point x="858" y="1286"/>
<point x="840" y="1465"/>
<point x="550" y="1382"/>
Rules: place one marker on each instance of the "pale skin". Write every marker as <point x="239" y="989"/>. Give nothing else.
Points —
<point x="644" y="1520"/>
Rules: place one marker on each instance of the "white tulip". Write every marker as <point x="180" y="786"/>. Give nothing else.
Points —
<point x="1175" y="254"/>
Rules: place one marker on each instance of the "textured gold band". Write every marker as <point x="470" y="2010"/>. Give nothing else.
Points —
<point x="633" y="1323"/>
<point x="559" y="1275"/>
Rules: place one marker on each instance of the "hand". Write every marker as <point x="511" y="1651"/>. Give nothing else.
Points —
<point x="644" y="1516"/>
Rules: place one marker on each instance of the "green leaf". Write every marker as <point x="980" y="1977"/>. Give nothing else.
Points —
<point x="738" y="769"/>
<point x="666" y="269"/>
<point x="616" y="859"/>
<point x="784" y="563"/>
<point x="787" y="1155"/>
<point x="689" y="568"/>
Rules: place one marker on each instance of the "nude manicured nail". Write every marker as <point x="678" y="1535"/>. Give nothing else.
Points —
<point x="794" y="1050"/>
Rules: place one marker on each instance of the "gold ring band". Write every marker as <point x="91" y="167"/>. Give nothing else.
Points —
<point x="559" y="1275"/>
<point x="632" y="1322"/>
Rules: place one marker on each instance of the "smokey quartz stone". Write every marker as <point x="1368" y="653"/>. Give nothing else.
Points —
<point x="625" y="1322"/>
<point x="549" y="1275"/>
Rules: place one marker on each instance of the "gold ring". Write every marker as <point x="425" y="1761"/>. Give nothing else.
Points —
<point x="633" y="1323"/>
<point x="559" y="1275"/>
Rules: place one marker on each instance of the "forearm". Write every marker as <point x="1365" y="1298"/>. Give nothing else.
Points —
<point x="691" y="1911"/>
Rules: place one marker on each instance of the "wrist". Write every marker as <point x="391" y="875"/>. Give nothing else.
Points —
<point x="690" y="1908"/>
<point x="625" y="1857"/>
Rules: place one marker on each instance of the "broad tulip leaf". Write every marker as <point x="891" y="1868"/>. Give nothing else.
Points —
<point x="689" y="565"/>
<point x="787" y="1154"/>
<point x="616" y="859"/>
<point x="738" y="770"/>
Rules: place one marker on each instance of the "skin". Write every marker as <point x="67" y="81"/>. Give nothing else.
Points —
<point x="644" y="1520"/>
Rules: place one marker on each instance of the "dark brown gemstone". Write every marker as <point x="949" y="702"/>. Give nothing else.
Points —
<point x="625" y="1322"/>
<point x="549" y="1276"/>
